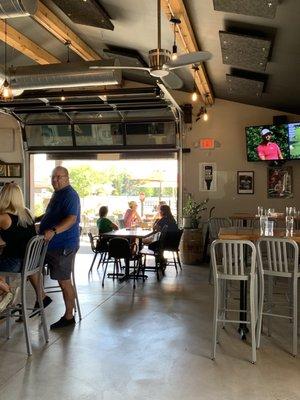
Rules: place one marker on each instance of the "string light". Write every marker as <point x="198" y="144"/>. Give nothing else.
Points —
<point x="63" y="97"/>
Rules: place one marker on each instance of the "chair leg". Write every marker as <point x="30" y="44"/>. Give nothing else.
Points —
<point x="178" y="259"/>
<point x="252" y="319"/>
<point x="76" y="294"/>
<point x="215" y="319"/>
<point x="42" y="311"/>
<point x="100" y="260"/>
<point x="25" y="318"/>
<point x="175" y="263"/>
<point x="104" y="273"/>
<point x="91" y="267"/>
<point x="270" y="299"/>
<point x="260" y="310"/>
<point x="295" y="315"/>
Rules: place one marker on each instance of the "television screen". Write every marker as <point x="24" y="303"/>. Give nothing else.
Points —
<point x="269" y="142"/>
<point x="294" y="140"/>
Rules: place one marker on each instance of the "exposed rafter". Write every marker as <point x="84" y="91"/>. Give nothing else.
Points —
<point x="62" y="32"/>
<point x="26" y="46"/>
<point x="186" y="38"/>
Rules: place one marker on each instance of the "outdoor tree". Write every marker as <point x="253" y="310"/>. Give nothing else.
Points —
<point x="86" y="180"/>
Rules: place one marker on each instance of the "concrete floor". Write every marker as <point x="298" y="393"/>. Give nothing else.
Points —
<point x="153" y="343"/>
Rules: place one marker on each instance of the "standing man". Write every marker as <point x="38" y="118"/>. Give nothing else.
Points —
<point x="60" y="225"/>
<point x="268" y="150"/>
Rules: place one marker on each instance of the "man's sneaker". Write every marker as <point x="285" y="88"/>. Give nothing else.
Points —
<point x="62" y="323"/>
<point x="6" y="300"/>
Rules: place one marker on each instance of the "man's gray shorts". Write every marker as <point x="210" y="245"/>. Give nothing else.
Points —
<point x="60" y="262"/>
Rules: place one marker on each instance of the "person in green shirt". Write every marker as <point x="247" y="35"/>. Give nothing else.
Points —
<point x="104" y="224"/>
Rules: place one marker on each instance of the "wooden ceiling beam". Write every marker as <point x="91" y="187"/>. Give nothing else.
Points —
<point x="186" y="39"/>
<point x="26" y="46"/>
<point x="62" y="32"/>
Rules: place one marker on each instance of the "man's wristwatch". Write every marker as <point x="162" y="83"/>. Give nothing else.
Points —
<point x="54" y="230"/>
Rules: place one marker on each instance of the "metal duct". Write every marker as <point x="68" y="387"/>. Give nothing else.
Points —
<point x="17" y="8"/>
<point x="64" y="75"/>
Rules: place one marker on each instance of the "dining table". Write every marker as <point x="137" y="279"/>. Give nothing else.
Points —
<point x="252" y="234"/>
<point x="129" y="234"/>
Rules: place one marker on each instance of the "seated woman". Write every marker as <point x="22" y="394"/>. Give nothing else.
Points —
<point x="103" y="223"/>
<point x="131" y="217"/>
<point x="166" y="219"/>
<point x="157" y="215"/>
<point x="16" y="229"/>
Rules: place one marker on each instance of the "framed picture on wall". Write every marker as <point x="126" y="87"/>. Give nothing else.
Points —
<point x="245" y="182"/>
<point x="14" y="170"/>
<point x="280" y="182"/>
<point x="3" y="170"/>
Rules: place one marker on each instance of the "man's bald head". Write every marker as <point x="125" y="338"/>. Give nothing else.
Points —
<point x="60" y="178"/>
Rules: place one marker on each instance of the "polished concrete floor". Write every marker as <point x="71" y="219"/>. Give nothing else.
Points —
<point x="151" y="343"/>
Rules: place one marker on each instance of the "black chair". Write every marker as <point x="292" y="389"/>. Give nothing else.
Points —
<point x="171" y="243"/>
<point x="157" y="254"/>
<point x="99" y="245"/>
<point x="120" y="249"/>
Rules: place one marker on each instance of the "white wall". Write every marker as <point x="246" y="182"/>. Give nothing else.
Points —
<point x="226" y="124"/>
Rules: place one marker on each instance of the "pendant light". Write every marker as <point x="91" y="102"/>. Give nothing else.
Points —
<point x="195" y="94"/>
<point x="6" y="91"/>
<point x="175" y="22"/>
<point x="67" y="44"/>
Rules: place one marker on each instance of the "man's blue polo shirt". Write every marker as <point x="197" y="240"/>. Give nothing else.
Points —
<point x="63" y="203"/>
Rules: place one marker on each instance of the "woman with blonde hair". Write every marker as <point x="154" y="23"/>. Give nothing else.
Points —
<point x="131" y="217"/>
<point x="16" y="229"/>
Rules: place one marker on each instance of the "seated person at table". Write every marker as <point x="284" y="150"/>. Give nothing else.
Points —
<point x="157" y="215"/>
<point x="166" y="219"/>
<point x="103" y="223"/>
<point x="16" y="229"/>
<point x="131" y="217"/>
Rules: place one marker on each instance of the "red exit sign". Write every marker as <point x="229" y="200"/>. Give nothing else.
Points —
<point x="207" y="144"/>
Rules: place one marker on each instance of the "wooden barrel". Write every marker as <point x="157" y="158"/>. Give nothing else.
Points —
<point x="191" y="246"/>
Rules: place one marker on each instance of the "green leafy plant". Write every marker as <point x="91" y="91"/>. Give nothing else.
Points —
<point x="193" y="209"/>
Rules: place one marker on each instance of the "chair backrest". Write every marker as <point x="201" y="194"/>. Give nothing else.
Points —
<point x="214" y="225"/>
<point x="119" y="248"/>
<point x="35" y="255"/>
<point x="234" y="258"/>
<point x="172" y="240"/>
<point x="93" y="241"/>
<point x="277" y="256"/>
<point x="162" y="238"/>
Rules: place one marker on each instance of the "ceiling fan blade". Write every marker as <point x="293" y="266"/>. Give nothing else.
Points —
<point x="172" y="81"/>
<point x="119" y="67"/>
<point x="188" y="59"/>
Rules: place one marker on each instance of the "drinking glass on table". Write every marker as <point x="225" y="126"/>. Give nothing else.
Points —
<point x="260" y="211"/>
<point x="289" y="225"/>
<point x="263" y="224"/>
<point x="269" y="228"/>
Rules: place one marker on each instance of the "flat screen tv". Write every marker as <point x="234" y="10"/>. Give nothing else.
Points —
<point x="273" y="142"/>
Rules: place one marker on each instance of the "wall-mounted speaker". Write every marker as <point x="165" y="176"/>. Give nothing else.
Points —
<point x="187" y="113"/>
<point x="280" y="119"/>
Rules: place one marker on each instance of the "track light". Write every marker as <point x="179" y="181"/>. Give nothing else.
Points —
<point x="175" y="22"/>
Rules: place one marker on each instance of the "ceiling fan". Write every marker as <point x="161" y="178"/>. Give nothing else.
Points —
<point x="160" y="63"/>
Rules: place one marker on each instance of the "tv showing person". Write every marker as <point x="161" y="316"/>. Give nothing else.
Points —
<point x="268" y="149"/>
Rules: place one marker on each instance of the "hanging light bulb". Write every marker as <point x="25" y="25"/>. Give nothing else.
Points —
<point x="205" y="115"/>
<point x="63" y="97"/>
<point x="5" y="90"/>
<point x="175" y="22"/>
<point x="195" y="94"/>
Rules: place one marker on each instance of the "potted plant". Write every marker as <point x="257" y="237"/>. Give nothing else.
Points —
<point x="192" y="212"/>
